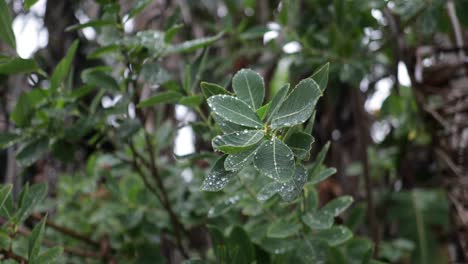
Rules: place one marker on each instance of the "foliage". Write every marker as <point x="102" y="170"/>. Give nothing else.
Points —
<point x="255" y="189"/>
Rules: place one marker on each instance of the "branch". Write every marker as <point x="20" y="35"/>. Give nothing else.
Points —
<point x="8" y="254"/>
<point x="66" y="231"/>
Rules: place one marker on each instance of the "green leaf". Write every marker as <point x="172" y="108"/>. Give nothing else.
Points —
<point x="249" y="87"/>
<point x="210" y="89"/>
<point x="322" y="175"/>
<point x="288" y="190"/>
<point x="321" y="76"/>
<point x="239" y="242"/>
<point x="338" y="205"/>
<point x="101" y="51"/>
<point x="300" y="143"/>
<point x="275" y="160"/>
<point x="218" y="177"/>
<point x="30" y="197"/>
<point x="63" y="68"/>
<point x="223" y="206"/>
<point x="277" y="102"/>
<point x="29" y="3"/>
<point x="4" y="192"/>
<point x="191" y="45"/>
<point x="35" y="241"/>
<point x="236" y="162"/>
<point x="191" y="101"/>
<point x="298" y="106"/>
<point x="17" y="65"/>
<point x="160" y="98"/>
<point x="5" y="239"/>
<point x="237" y="141"/>
<point x="100" y="79"/>
<point x="50" y="255"/>
<point x="262" y="111"/>
<point x="32" y="151"/>
<point x="234" y="110"/>
<point x="318" y="220"/>
<point x="23" y="111"/>
<point x="219" y="243"/>
<point x="92" y="23"/>
<point x="226" y="126"/>
<point x="283" y="229"/>
<point x="314" y="172"/>
<point x="6" y="30"/>
<point x="171" y="32"/>
<point x="7" y="139"/>
<point x="137" y="8"/>
<point x="155" y="74"/>
<point x="334" y="236"/>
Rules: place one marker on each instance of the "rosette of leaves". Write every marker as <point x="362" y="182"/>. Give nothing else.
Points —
<point x="268" y="135"/>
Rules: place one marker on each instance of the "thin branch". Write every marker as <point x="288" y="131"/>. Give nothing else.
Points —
<point x="8" y="254"/>
<point x="66" y="231"/>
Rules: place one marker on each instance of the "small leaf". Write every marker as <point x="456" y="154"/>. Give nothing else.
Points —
<point x="226" y="126"/>
<point x="23" y="111"/>
<point x="93" y="24"/>
<point x="268" y="191"/>
<point x="4" y="192"/>
<point x="224" y="206"/>
<point x="63" y="68"/>
<point x="137" y="8"/>
<point x="321" y="76"/>
<point x="262" y="111"/>
<point x="191" y="101"/>
<point x="210" y="89"/>
<point x="191" y="45"/>
<point x="50" y="255"/>
<point x="334" y="236"/>
<point x="300" y="143"/>
<point x="298" y="106"/>
<point x="101" y="51"/>
<point x="29" y="3"/>
<point x="218" y="177"/>
<point x="35" y="241"/>
<point x="234" y="110"/>
<point x="338" y="205"/>
<point x="219" y="243"/>
<point x="160" y="98"/>
<point x="7" y="139"/>
<point x="30" y="197"/>
<point x="6" y="30"/>
<point x="99" y="79"/>
<point x="249" y="87"/>
<point x="288" y="190"/>
<point x="282" y="229"/>
<point x="236" y="162"/>
<point x="171" y="32"/>
<point x="237" y="141"/>
<point x="322" y="175"/>
<point x="155" y="74"/>
<point x="17" y="65"/>
<point x="5" y="239"/>
<point x="239" y="241"/>
<point x="32" y="151"/>
<point x="277" y="102"/>
<point x="318" y="220"/>
<point x="275" y="160"/>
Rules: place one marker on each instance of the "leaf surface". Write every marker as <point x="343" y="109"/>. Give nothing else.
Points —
<point x="234" y="110"/>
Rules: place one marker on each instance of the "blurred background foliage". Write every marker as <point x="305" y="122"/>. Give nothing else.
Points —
<point x="395" y="112"/>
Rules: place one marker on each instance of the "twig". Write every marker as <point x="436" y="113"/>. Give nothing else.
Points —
<point x="359" y="117"/>
<point x="165" y="199"/>
<point x="66" y="231"/>
<point x="8" y="254"/>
